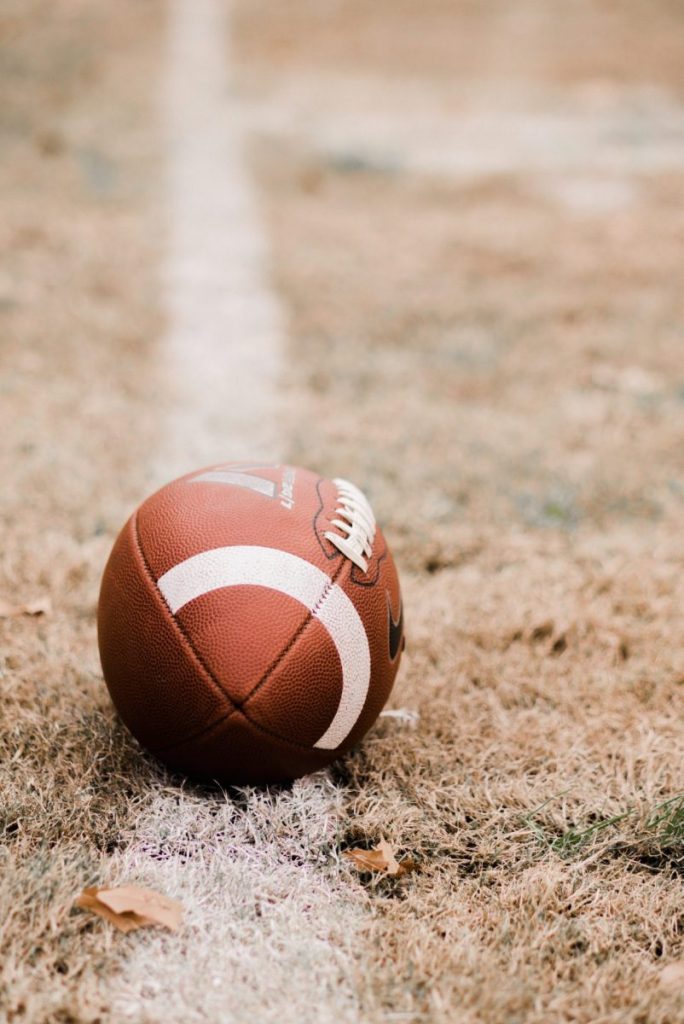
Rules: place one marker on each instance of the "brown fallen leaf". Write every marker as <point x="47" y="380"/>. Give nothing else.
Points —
<point x="380" y="858"/>
<point x="88" y="901"/>
<point x="41" y="606"/>
<point x="128" y="907"/>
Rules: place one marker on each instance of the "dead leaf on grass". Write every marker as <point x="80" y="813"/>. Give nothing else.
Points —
<point x="128" y="907"/>
<point x="380" y="858"/>
<point x="41" y="606"/>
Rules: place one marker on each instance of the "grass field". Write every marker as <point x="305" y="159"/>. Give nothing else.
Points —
<point x="471" y="226"/>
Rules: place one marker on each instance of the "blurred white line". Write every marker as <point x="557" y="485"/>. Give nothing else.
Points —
<point x="401" y="126"/>
<point x="271" y="929"/>
<point x="222" y="350"/>
<point x="508" y="142"/>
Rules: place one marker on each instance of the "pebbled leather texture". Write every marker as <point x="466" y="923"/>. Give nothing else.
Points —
<point x="240" y="683"/>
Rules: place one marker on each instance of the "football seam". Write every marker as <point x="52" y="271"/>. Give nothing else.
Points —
<point x="234" y="705"/>
<point x="179" y="628"/>
<point x="309" y="748"/>
<point x="293" y="639"/>
<point x="267" y="676"/>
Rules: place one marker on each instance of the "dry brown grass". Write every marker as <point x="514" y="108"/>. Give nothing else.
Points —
<point x="503" y="373"/>
<point x="504" y="377"/>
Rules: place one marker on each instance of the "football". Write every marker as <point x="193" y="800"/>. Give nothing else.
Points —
<point x="250" y="622"/>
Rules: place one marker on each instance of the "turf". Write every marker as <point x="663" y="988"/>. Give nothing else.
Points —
<point x="495" y="356"/>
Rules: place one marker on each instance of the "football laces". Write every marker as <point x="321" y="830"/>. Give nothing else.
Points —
<point x="355" y="524"/>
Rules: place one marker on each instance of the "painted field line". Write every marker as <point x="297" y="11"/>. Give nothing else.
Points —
<point x="592" y="155"/>
<point x="271" y="927"/>
<point x="221" y="355"/>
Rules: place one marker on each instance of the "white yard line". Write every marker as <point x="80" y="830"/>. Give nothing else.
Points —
<point x="271" y="931"/>
<point x="586" y="149"/>
<point x="271" y="925"/>
<point x="223" y="347"/>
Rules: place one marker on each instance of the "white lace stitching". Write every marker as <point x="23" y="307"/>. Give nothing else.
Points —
<point x="356" y="524"/>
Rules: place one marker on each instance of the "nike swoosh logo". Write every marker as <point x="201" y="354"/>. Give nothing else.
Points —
<point x="396" y="630"/>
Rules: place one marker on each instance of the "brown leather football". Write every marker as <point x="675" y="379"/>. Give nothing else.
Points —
<point x="250" y="622"/>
